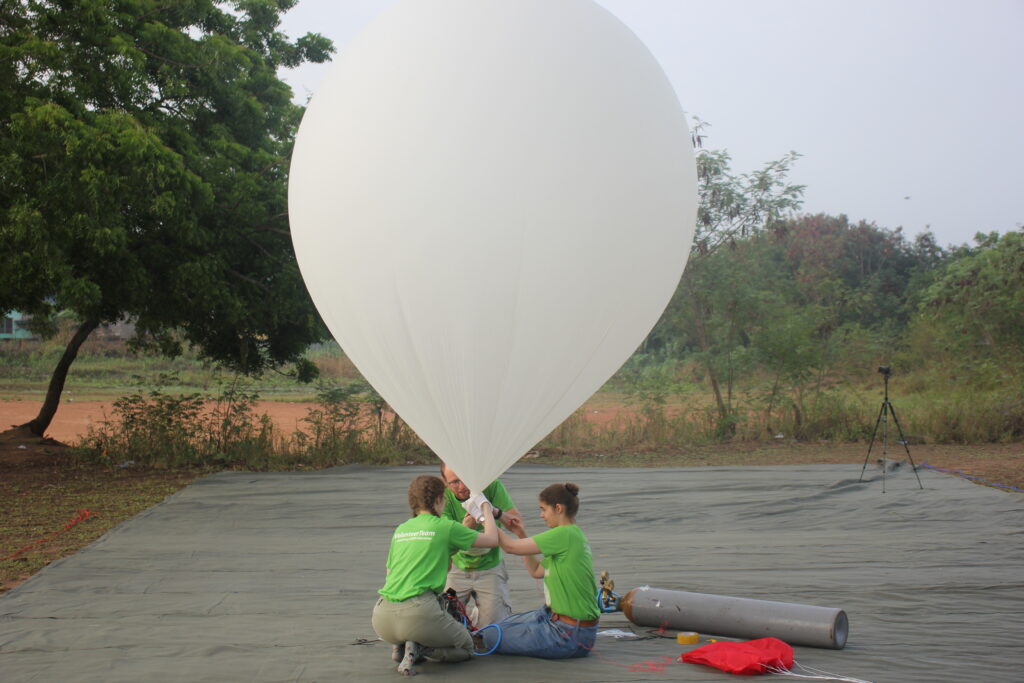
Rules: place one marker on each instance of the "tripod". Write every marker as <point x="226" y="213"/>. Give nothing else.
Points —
<point x="883" y="419"/>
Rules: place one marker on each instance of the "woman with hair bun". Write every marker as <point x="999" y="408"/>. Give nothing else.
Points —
<point x="409" y="614"/>
<point x="567" y="624"/>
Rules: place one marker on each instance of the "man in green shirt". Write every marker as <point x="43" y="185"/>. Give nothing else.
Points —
<point x="479" y="573"/>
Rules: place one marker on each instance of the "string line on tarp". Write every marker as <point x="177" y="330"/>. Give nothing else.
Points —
<point x="961" y="473"/>
<point x="811" y="674"/>
<point x="80" y="517"/>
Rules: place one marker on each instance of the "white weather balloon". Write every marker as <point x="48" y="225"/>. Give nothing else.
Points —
<point x="491" y="203"/>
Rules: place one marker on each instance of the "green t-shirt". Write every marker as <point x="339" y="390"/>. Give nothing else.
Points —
<point x="418" y="558"/>
<point x="569" y="586"/>
<point x="476" y="559"/>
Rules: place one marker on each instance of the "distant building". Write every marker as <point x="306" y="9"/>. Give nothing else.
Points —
<point x="14" y="325"/>
<point x="122" y="329"/>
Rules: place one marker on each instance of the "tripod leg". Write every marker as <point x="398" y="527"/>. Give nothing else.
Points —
<point x="885" y="440"/>
<point x="903" y="440"/>
<point x="871" y="445"/>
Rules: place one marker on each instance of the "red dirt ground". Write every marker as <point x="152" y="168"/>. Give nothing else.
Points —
<point x="74" y="418"/>
<point x="1000" y="463"/>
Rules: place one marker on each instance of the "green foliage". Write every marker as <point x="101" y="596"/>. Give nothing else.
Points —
<point x="971" y="415"/>
<point x="735" y="206"/>
<point x="712" y="304"/>
<point x="976" y="303"/>
<point x="104" y="368"/>
<point x="860" y="272"/>
<point x="155" y="427"/>
<point x="335" y="426"/>
<point x="158" y="428"/>
<point x="143" y="160"/>
<point x="782" y="313"/>
<point x="653" y="428"/>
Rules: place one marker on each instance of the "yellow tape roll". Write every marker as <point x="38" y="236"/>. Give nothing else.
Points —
<point x="687" y="637"/>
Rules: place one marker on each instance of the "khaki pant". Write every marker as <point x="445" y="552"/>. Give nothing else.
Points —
<point x="488" y="587"/>
<point x="423" y="620"/>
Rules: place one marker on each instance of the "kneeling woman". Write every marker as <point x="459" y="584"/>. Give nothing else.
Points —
<point x="567" y="625"/>
<point x="409" y="613"/>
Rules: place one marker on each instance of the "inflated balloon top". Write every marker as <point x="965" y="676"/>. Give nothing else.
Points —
<point x="492" y="202"/>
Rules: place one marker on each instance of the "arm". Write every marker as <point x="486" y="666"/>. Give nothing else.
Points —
<point x="489" y="537"/>
<point x="527" y="547"/>
<point x="506" y="517"/>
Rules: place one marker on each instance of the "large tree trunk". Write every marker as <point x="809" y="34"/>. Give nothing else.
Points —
<point x="705" y="345"/>
<point x="52" y="401"/>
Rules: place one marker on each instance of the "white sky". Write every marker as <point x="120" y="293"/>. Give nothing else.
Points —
<point x="885" y="99"/>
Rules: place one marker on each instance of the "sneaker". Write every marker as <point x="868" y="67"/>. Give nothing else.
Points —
<point x="414" y="653"/>
<point x="409" y="658"/>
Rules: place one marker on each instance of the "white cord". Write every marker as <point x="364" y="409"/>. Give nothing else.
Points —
<point x="812" y="673"/>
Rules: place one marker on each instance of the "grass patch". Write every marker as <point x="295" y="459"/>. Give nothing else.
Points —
<point x="40" y="500"/>
<point x="105" y="368"/>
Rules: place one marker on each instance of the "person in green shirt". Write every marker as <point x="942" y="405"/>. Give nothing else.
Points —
<point x="478" y="575"/>
<point x="567" y="624"/>
<point x="409" y="613"/>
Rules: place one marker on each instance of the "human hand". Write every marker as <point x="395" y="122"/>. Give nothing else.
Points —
<point x="515" y="525"/>
<point x="469" y="522"/>
<point x="474" y="505"/>
<point x="511" y="515"/>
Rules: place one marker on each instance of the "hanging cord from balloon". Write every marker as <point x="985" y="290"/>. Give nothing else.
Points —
<point x="80" y="517"/>
<point x="812" y="674"/>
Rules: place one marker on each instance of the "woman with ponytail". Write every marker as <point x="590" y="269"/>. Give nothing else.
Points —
<point x="409" y="613"/>
<point x="567" y="624"/>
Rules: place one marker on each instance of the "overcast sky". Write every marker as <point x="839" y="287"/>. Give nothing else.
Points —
<point x="907" y="112"/>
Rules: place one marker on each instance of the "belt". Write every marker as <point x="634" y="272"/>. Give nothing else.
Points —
<point x="573" y="622"/>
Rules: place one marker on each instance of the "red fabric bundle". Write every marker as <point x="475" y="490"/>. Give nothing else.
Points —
<point x="750" y="658"/>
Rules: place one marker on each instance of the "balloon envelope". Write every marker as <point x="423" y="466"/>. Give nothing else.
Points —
<point x="491" y="204"/>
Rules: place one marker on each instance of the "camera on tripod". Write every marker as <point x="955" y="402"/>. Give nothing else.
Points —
<point x="884" y="413"/>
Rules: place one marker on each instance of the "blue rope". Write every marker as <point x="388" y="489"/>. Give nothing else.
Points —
<point x="496" y="643"/>
<point x="960" y="473"/>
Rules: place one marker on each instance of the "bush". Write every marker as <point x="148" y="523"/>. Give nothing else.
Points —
<point x="157" y="429"/>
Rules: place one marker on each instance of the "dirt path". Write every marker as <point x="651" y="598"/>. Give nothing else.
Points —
<point x="998" y="463"/>
<point x="74" y="418"/>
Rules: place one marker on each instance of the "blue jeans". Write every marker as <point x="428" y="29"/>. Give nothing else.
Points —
<point x="534" y="634"/>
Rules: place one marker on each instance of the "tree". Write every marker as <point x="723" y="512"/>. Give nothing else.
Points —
<point x="976" y="303"/>
<point x="143" y="166"/>
<point x="859" y="273"/>
<point x="706" y="310"/>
